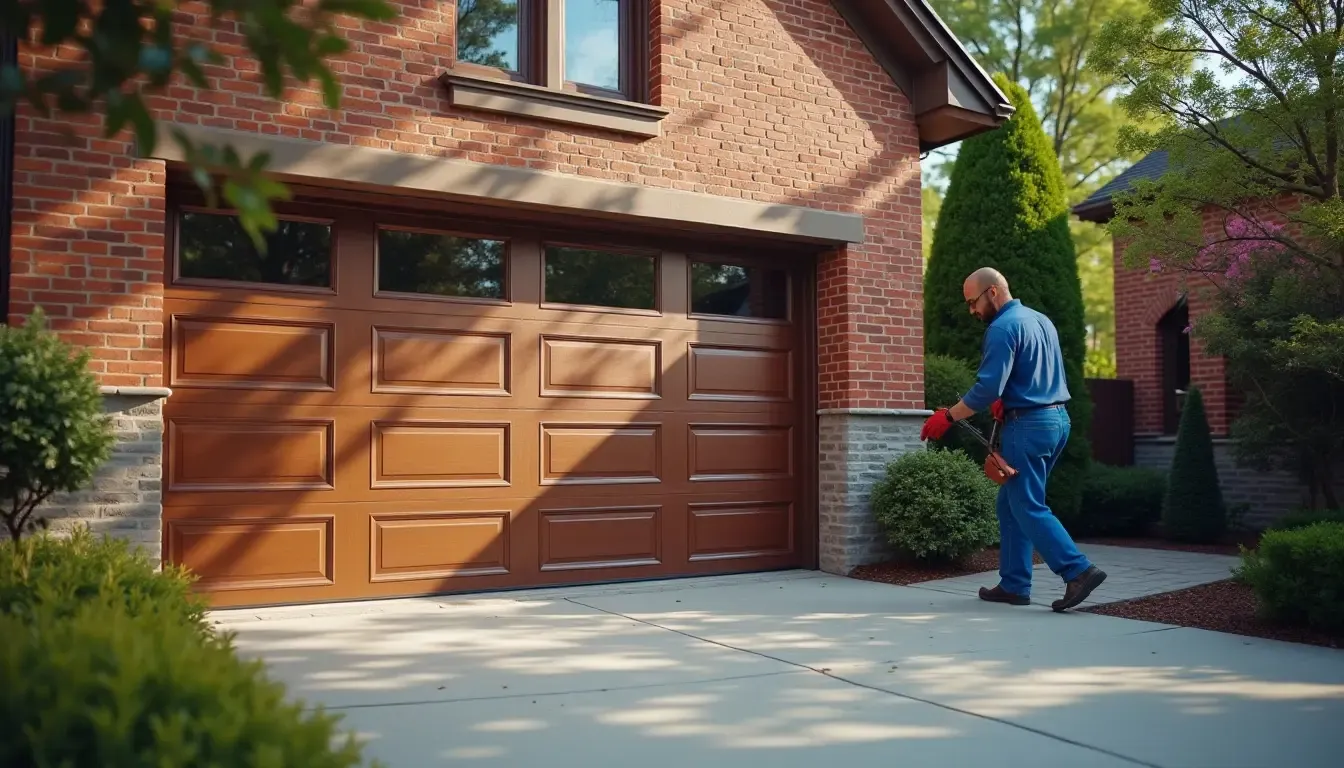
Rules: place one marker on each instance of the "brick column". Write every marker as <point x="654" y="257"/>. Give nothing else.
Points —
<point x="871" y="344"/>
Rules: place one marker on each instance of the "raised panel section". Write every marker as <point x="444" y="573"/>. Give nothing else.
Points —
<point x="740" y="374"/>
<point x="239" y="455"/>
<point x="740" y="452"/>
<point x="593" y="454"/>
<point x="434" y="362"/>
<point x="438" y="545"/>
<point x="239" y="353"/>
<point x="437" y="454"/>
<point x="607" y="537"/>
<point x="740" y="530"/>
<point x="254" y="554"/>
<point x="608" y="368"/>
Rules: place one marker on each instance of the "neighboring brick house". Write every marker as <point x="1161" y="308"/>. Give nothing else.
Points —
<point x="1162" y="361"/>
<point x="514" y="330"/>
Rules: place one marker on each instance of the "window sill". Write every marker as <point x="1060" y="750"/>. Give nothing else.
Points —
<point x="511" y="98"/>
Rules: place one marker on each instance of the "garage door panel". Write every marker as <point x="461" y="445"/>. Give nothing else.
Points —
<point x="255" y="553"/>
<point x="374" y="443"/>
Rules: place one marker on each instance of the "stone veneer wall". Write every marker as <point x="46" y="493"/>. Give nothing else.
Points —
<point x="856" y="445"/>
<point x="125" y="498"/>
<point x="1268" y="494"/>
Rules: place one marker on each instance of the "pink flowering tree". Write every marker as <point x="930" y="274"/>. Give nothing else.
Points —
<point x="1257" y="147"/>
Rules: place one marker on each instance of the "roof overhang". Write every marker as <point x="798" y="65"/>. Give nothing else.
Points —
<point x="952" y="96"/>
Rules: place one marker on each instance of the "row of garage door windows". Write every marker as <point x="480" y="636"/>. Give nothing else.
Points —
<point x="214" y="247"/>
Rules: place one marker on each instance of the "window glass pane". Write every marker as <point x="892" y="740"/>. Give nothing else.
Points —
<point x="487" y="33"/>
<point x="214" y="246"/>
<point x="593" y="43"/>
<point x="727" y="289"/>
<point x="599" y="278"/>
<point x="440" y="265"/>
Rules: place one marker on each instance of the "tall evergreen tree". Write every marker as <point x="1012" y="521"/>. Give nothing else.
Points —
<point x="1193" y="509"/>
<point x="1005" y="208"/>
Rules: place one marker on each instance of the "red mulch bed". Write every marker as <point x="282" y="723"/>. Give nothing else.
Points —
<point x="904" y="572"/>
<point x="1228" y="546"/>
<point x="1223" y="606"/>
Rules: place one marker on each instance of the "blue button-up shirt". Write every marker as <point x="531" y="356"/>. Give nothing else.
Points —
<point x="1020" y="361"/>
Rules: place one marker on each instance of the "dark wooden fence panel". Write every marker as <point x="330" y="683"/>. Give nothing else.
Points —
<point x="1112" y="421"/>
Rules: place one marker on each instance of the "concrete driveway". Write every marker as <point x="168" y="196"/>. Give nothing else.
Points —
<point x="795" y="669"/>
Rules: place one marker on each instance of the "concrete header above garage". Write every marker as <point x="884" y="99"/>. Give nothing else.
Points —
<point x="378" y="170"/>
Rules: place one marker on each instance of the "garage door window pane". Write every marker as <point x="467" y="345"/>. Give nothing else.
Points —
<point x="600" y="278"/>
<point x="440" y="265"/>
<point x="213" y="246"/>
<point x="729" y="289"/>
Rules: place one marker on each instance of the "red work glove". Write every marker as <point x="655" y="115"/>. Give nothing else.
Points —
<point x="997" y="410"/>
<point x="936" y="425"/>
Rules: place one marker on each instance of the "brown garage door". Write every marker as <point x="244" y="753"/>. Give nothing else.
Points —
<point x="401" y="403"/>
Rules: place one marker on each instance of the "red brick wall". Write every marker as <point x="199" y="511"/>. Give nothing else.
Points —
<point x="773" y="100"/>
<point x="1141" y="298"/>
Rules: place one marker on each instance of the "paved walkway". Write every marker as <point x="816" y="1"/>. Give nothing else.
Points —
<point x="1130" y="572"/>
<point x="795" y="670"/>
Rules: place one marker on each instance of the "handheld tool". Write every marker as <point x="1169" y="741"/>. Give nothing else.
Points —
<point x="996" y="468"/>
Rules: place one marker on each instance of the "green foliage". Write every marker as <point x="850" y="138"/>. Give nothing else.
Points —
<point x="1099" y="364"/>
<point x="1119" y="501"/>
<point x="53" y="432"/>
<point x="1301" y="518"/>
<point x="93" y="685"/>
<point x="1259" y="151"/>
<point x="946" y="379"/>
<point x="57" y="574"/>
<point x="1193" y="508"/>
<point x="132" y="50"/>
<point x="1005" y="208"/>
<point x="936" y="505"/>
<point x="1298" y="575"/>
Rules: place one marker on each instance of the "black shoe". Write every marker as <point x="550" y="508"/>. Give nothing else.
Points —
<point x="1076" y="591"/>
<point x="998" y="595"/>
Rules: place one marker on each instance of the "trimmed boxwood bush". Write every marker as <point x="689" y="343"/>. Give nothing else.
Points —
<point x="107" y="661"/>
<point x="97" y="686"/>
<point x="1298" y="575"/>
<point x="936" y="505"/>
<point x="1119" y="501"/>
<point x="61" y="573"/>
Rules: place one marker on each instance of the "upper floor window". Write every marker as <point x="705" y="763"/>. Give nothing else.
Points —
<point x="597" y="47"/>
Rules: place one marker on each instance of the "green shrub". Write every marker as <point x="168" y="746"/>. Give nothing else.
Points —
<point x="59" y="574"/>
<point x="1301" y="518"/>
<point x="53" y="432"/>
<point x="936" y="505"/>
<point x="1298" y="575"/>
<point x="946" y="379"/>
<point x="97" y="686"/>
<point x="1007" y="207"/>
<point x="1119" y="501"/>
<point x="1193" y="508"/>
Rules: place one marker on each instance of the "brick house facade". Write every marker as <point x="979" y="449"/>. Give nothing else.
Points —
<point x="314" y="429"/>
<point x="1162" y="361"/>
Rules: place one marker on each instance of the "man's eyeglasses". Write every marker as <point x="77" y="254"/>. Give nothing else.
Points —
<point x="972" y="302"/>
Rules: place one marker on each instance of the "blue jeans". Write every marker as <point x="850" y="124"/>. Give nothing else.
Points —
<point x="1032" y="443"/>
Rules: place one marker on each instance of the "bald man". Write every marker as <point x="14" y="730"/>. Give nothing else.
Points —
<point x="1021" y="380"/>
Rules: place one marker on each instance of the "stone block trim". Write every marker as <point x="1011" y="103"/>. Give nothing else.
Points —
<point x="125" y="497"/>
<point x="856" y="446"/>
<point x="1269" y="495"/>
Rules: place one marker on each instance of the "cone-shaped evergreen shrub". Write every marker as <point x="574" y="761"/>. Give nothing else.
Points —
<point x="1193" y="508"/>
<point x="1005" y="208"/>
